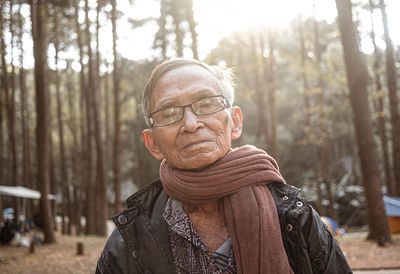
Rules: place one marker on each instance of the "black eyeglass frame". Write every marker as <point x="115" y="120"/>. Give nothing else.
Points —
<point x="226" y="105"/>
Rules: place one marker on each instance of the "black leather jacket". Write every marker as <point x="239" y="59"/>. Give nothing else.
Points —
<point x="139" y="244"/>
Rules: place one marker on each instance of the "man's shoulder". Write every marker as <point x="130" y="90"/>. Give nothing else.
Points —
<point x="283" y="194"/>
<point x="291" y="207"/>
<point x="146" y="195"/>
<point x="149" y="201"/>
<point x="140" y="232"/>
<point x="114" y="258"/>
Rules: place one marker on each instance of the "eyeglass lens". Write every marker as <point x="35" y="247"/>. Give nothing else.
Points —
<point x="170" y="115"/>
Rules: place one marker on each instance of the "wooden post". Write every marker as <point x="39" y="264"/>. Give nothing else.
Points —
<point x="32" y="247"/>
<point x="79" y="249"/>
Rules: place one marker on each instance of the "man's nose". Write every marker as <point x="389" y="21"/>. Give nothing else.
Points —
<point x="190" y="120"/>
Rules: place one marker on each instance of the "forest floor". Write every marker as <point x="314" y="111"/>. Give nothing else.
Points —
<point x="367" y="255"/>
<point x="56" y="258"/>
<point x="61" y="257"/>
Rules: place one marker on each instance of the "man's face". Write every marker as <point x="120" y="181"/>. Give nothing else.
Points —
<point x="196" y="141"/>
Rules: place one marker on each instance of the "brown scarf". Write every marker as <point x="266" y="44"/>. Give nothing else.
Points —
<point x="239" y="179"/>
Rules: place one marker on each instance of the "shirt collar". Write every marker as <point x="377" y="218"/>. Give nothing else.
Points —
<point x="179" y="222"/>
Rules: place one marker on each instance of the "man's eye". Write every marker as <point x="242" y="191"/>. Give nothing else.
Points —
<point x="206" y="102"/>
<point x="169" y="113"/>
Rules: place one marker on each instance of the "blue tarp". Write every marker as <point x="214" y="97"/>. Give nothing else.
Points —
<point x="392" y="206"/>
<point x="333" y="226"/>
<point x="8" y="213"/>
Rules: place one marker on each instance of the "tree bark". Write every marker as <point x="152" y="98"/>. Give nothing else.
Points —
<point x="75" y="155"/>
<point x="177" y="20"/>
<point x="310" y="134"/>
<point x="10" y="106"/>
<point x="192" y="28"/>
<point x="107" y="105"/>
<point x="101" y="201"/>
<point x="357" y="77"/>
<point x="117" y="115"/>
<point x="262" y="129"/>
<point x="52" y="168"/>
<point x="271" y="83"/>
<point x="27" y="173"/>
<point x="38" y="14"/>
<point x="379" y="107"/>
<point x="86" y="135"/>
<point x="160" y="39"/>
<point x="393" y="99"/>
<point x="323" y="131"/>
<point x="98" y="58"/>
<point x="86" y="168"/>
<point x="4" y="87"/>
<point x="4" y="90"/>
<point x="64" y="175"/>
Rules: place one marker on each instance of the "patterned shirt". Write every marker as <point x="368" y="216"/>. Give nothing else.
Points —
<point x="189" y="253"/>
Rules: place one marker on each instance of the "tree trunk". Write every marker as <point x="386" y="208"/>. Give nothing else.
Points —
<point x="262" y="129"/>
<point x="177" y="20"/>
<point x="38" y="14"/>
<point x="4" y="90"/>
<point x="162" y="33"/>
<point x="10" y="106"/>
<point x="117" y="115"/>
<point x="192" y="28"/>
<point x="98" y="59"/>
<point x="357" y="77"/>
<point x="379" y="108"/>
<point x="323" y="134"/>
<point x="393" y="99"/>
<point x="86" y="168"/>
<point x="86" y="133"/>
<point x="4" y="87"/>
<point x="101" y="204"/>
<point x="310" y="134"/>
<point x="75" y="157"/>
<point x="26" y="169"/>
<point x="90" y="182"/>
<point x="64" y="175"/>
<point x="271" y="83"/>
<point x="52" y="169"/>
<point x="107" y="104"/>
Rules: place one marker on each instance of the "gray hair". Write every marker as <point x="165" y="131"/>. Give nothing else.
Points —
<point x="224" y="77"/>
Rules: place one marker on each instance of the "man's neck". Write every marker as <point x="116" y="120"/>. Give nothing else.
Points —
<point x="209" y="221"/>
<point x="209" y="208"/>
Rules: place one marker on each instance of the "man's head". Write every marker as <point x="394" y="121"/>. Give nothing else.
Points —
<point x="199" y="133"/>
<point x="224" y="77"/>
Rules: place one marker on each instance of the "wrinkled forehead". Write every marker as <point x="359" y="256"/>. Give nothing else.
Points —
<point x="184" y="73"/>
<point x="185" y="80"/>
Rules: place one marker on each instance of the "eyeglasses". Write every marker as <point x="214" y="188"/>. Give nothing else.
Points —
<point x="203" y="106"/>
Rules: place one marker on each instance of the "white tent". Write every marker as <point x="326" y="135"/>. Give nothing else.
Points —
<point x="23" y="192"/>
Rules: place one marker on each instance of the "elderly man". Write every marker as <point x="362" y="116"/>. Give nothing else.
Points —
<point x="215" y="209"/>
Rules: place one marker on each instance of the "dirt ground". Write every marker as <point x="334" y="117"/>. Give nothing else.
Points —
<point x="61" y="257"/>
<point x="363" y="254"/>
<point x="53" y="258"/>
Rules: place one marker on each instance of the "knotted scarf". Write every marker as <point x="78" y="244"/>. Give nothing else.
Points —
<point x="239" y="178"/>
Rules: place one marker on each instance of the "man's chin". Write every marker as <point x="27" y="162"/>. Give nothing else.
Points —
<point x="199" y="162"/>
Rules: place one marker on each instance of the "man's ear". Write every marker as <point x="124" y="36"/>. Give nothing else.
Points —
<point x="237" y="118"/>
<point x="151" y="145"/>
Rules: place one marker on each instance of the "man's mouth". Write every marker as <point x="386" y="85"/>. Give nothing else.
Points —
<point x="195" y="143"/>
